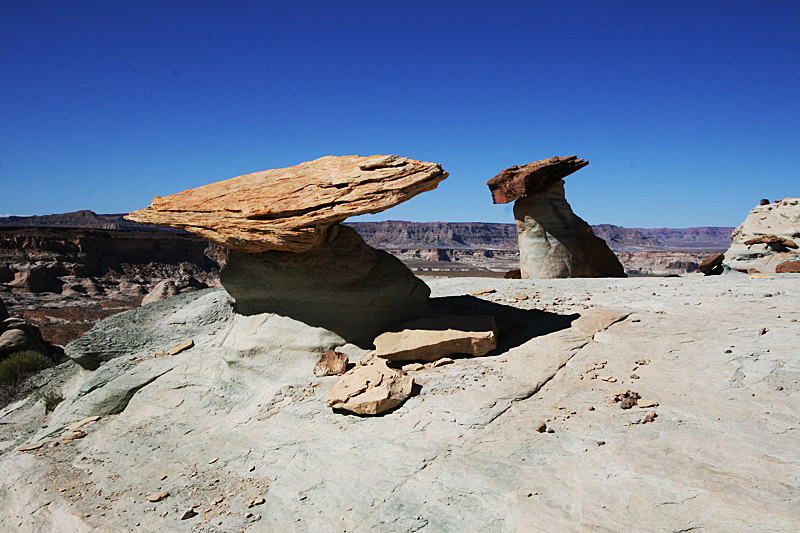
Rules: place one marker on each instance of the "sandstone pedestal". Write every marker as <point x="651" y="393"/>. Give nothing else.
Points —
<point x="342" y="285"/>
<point x="553" y="241"/>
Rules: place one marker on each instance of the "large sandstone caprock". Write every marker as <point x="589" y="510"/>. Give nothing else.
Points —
<point x="553" y="241"/>
<point x="767" y="238"/>
<point x="291" y="209"/>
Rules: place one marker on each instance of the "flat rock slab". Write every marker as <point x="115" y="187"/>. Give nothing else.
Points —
<point x="517" y="182"/>
<point x="429" y="339"/>
<point x="292" y="208"/>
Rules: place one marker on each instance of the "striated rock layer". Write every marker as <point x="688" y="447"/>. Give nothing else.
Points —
<point x="343" y="285"/>
<point x="556" y="243"/>
<point x="766" y="238"/>
<point x="292" y="209"/>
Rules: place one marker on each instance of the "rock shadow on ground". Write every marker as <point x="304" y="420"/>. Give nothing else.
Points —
<point x="515" y="326"/>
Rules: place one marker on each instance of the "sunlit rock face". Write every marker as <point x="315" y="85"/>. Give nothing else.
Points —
<point x="768" y="237"/>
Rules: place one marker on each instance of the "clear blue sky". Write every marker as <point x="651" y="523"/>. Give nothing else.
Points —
<point x="688" y="112"/>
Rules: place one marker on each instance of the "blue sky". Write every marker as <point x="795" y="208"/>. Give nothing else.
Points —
<point x="688" y="112"/>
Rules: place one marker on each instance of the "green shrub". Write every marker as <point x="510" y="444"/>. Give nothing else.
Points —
<point x="21" y="365"/>
<point x="50" y="398"/>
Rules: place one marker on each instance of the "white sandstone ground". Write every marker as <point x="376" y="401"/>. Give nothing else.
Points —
<point x="228" y="423"/>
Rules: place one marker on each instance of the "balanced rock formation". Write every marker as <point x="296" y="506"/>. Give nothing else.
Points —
<point x="767" y="238"/>
<point x="553" y="241"/>
<point x="292" y="256"/>
<point x="292" y="209"/>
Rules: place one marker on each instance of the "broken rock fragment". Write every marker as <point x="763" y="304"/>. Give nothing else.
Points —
<point x="370" y="389"/>
<point x="332" y="363"/>
<point x="429" y="339"/>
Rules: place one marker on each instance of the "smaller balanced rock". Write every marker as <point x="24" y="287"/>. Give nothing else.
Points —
<point x="553" y="241"/>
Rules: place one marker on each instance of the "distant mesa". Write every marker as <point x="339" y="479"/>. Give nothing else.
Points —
<point x="766" y="242"/>
<point x="553" y="241"/>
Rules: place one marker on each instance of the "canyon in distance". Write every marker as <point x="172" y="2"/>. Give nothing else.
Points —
<point x="64" y="272"/>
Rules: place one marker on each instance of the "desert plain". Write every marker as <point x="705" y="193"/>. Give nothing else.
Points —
<point x="527" y="438"/>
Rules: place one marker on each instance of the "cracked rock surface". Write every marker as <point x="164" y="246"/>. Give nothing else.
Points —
<point x="238" y="432"/>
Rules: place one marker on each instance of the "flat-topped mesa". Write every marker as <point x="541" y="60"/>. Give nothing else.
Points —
<point x="553" y="241"/>
<point x="292" y="209"/>
<point x="517" y="182"/>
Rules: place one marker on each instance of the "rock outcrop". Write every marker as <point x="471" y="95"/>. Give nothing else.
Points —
<point x="169" y="288"/>
<point x="767" y="238"/>
<point x="342" y="285"/>
<point x="292" y="209"/>
<point x="553" y="241"/>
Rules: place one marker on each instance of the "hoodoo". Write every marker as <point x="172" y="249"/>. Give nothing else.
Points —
<point x="291" y="255"/>
<point x="553" y="241"/>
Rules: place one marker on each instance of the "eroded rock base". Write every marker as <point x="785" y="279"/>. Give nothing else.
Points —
<point x="556" y="243"/>
<point x="343" y="285"/>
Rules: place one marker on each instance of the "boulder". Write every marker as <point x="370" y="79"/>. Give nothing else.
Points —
<point x="712" y="265"/>
<point x="788" y="267"/>
<point x="157" y="326"/>
<point x="767" y="238"/>
<point x="292" y="209"/>
<point x="518" y="182"/>
<point x="429" y="339"/>
<point x="17" y="335"/>
<point x="370" y="389"/>
<point x="555" y="243"/>
<point x="342" y="285"/>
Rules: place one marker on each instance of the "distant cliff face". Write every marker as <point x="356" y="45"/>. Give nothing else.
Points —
<point x="465" y="235"/>
<point x="401" y="234"/>
<point x="717" y="238"/>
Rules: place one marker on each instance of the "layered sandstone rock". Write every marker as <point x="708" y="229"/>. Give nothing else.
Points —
<point x="292" y="209"/>
<point x="553" y="241"/>
<point x="767" y="238"/>
<point x="429" y="339"/>
<point x="370" y="389"/>
<point x="342" y="285"/>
